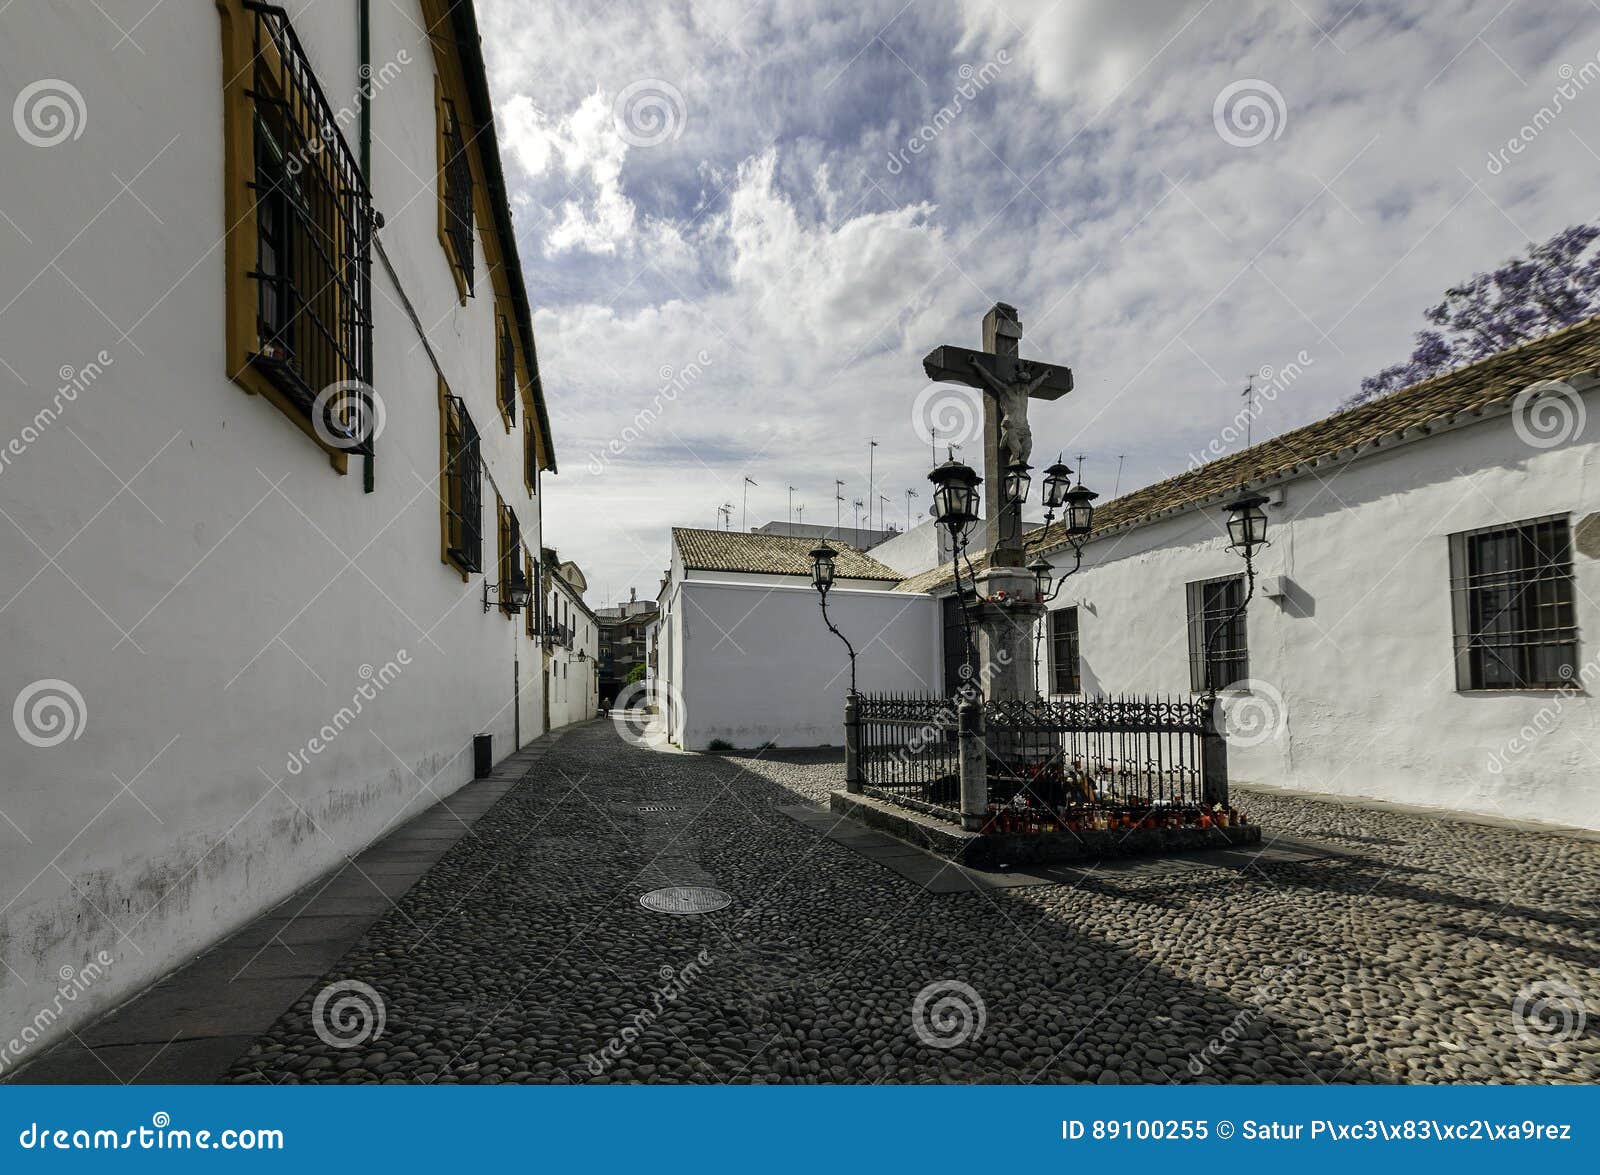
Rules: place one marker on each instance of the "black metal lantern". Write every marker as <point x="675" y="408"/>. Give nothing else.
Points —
<point x="822" y="567"/>
<point x="1041" y="574"/>
<point x="955" y="495"/>
<point x="1018" y="482"/>
<point x="1057" y="480"/>
<point x="521" y="593"/>
<point x="1247" y="524"/>
<point x="1080" y="511"/>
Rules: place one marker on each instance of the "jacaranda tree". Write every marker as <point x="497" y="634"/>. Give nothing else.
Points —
<point x="1555" y="285"/>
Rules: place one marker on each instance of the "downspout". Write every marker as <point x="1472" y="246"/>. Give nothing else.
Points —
<point x="364" y="84"/>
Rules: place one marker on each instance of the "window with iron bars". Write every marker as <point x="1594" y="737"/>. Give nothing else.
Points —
<point x="1216" y="621"/>
<point x="510" y="555"/>
<point x="313" y="226"/>
<point x="1064" y="651"/>
<point x="535" y="603"/>
<point x="1512" y="594"/>
<point x="508" y="372"/>
<point x="462" y="486"/>
<point x="456" y="194"/>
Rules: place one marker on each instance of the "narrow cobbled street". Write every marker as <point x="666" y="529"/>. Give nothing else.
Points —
<point x="525" y="955"/>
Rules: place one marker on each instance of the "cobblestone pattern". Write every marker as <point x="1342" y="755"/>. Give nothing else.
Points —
<point x="524" y="955"/>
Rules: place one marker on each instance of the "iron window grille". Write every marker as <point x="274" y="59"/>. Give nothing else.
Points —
<point x="1216" y="621"/>
<point x="535" y="614"/>
<point x="508" y="371"/>
<point x="510" y="548"/>
<point x="314" y="223"/>
<point x="463" y="488"/>
<point x="1512" y="594"/>
<point x="457" y="194"/>
<point x="1064" y="651"/>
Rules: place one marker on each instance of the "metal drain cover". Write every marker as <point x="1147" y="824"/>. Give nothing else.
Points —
<point x="659" y="808"/>
<point x="685" y="899"/>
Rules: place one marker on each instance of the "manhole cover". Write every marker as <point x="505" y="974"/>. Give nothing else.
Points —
<point x="685" y="899"/>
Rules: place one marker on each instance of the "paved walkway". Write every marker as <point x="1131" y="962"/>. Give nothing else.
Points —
<point x="1421" y="950"/>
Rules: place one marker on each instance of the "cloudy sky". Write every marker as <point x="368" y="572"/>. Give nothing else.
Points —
<point x="749" y="222"/>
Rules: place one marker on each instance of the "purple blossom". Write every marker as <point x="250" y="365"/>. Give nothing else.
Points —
<point x="1554" y="286"/>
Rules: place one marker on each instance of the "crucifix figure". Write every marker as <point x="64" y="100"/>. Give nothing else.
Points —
<point x="1008" y="383"/>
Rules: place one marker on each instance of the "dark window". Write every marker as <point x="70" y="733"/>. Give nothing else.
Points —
<point x="463" y="488"/>
<point x="1511" y="587"/>
<point x="510" y="555"/>
<point x="1064" y="651"/>
<point x="1216" y="622"/>
<point x="955" y="645"/>
<point x="313" y="230"/>
<point x="457" y="194"/>
<point x="508" y="372"/>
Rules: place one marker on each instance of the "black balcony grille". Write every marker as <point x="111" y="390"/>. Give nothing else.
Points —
<point x="313" y="232"/>
<point x="457" y="194"/>
<point x="510" y="556"/>
<point x="908" y="752"/>
<point x="1512" y="591"/>
<point x="463" y="488"/>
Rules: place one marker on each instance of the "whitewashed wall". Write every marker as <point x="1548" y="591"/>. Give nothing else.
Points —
<point x="217" y="612"/>
<point x="574" y="695"/>
<point x="1361" y="650"/>
<point x="751" y="662"/>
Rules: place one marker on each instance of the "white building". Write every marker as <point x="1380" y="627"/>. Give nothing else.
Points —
<point x="745" y="658"/>
<point x="236" y="650"/>
<point x="572" y="645"/>
<point x="1418" y="627"/>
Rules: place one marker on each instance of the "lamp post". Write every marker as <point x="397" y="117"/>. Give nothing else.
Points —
<point x="1078" y="502"/>
<point x="1247" y="534"/>
<point x="822" y="570"/>
<point x="955" y="507"/>
<point x="515" y="594"/>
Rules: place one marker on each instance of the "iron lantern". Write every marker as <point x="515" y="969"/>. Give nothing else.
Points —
<point x="1057" y="480"/>
<point x="521" y="593"/>
<point x="822" y="558"/>
<point x="955" y="495"/>
<point x="1041" y="574"/>
<point x="1247" y="524"/>
<point x="1080" y="511"/>
<point x="1018" y="482"/>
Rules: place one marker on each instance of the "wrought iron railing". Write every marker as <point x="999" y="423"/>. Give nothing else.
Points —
<point x="508" y="371"/>
<point x="908" y="751"/>
<point x="1128" y="761"/>
<point x="314" y="222"/>
<point x="458" y="194"/>
<point x="463" y="487"/>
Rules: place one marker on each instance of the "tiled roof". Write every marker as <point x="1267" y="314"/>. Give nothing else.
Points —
<point x="1469" y="390"/>
<point x="770" y="554"/>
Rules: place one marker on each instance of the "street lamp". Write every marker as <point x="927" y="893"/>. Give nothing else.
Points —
<point x="1080" y="510"/>
<point x="1057" y="480"/>
<point x="955" y="495"/>
<point x="1041" y="574"/>
<point x="1247" y="525"/>
<point x="1018" y="482"/>
<point x="822" y="569"/>
<point x="515" y="594"/>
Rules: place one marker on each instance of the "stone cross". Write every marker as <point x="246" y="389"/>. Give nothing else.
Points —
<point x="1008" y="383"/>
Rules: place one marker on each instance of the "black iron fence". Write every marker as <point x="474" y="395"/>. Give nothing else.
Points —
<point x="1046" y="764"/>
<point x="908" y="752"/>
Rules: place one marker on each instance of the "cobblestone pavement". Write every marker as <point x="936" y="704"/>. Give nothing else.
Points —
<point x="524" y="955"/>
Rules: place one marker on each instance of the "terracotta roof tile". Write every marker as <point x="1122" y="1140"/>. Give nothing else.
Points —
<point x="770" y="554"/>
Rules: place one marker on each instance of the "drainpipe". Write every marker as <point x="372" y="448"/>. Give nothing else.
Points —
<point x="364" y="83"/>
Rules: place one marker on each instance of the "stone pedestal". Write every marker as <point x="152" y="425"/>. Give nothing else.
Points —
<point x="1007" y="622"/>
